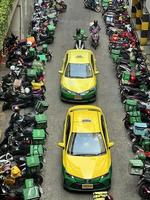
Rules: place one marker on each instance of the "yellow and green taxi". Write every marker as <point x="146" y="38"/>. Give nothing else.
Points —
<point x="86" y="162"/>
<point x="78" y="76"/>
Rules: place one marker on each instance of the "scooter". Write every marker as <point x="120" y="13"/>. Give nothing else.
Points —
<point x="94" y="39"/>
<point x="140" y="167"/>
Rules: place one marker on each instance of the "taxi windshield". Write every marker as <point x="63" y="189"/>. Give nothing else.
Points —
<point x="86" y="144"/>
<point x="74" y="70"/>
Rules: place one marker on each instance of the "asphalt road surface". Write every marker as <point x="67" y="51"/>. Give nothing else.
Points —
<point x="108" y="98"/>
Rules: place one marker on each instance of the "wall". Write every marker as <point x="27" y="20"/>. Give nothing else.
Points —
<point x="19" y="22"/>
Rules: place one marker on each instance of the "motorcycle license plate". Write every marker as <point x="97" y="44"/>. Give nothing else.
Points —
<point x="78" y="97"/>
<point x="87" y="186"/>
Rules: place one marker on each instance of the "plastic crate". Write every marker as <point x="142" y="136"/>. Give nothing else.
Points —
<point x="126" y="76"/>
<point x="31" y="193"/>
<point x="32" y="73"/>
<point x="42" y="58"/>
<point x="41" y="106"/>
<point x="39" y="136"/>
<point x="37" y="150"/>
<point x="130" y="105"/>
<point x="136" y="167"/>
<point x="33" y="164"/>
<point x="41" y="121"/>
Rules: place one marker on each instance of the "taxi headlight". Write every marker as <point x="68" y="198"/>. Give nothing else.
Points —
<point x="65" y="90"/>
<point x="93" y="89"/>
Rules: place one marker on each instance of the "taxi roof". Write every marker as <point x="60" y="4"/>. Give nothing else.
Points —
<point x="79" y="56"/>
<point x="86" y="121"/>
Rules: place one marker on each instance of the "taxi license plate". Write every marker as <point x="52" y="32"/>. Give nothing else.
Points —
<point x="87" y="186"/>
<point x="78" y="97"/>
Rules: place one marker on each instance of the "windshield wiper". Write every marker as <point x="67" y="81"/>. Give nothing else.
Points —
<point x="85" y="154"/>
<point x="100" y="153"/>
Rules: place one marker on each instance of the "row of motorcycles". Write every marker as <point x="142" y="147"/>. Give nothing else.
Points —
<point x="24" y="84"/>
<point x="22" y="149"/>
<point x="134" y="80"/>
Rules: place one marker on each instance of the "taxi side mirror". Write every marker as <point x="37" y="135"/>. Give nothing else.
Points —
<point x="60" y="71"/>
<point x="61" y="144"/>
<point x="111" y="144"/>
<point x="96" y="72"/>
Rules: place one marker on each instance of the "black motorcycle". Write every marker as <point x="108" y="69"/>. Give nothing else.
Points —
<point x="93" y="5"/>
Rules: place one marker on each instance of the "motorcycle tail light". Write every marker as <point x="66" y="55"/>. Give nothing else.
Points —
<point x="133" y="78"/>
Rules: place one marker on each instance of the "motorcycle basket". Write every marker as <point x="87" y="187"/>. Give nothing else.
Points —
<point x="38" y="136"/>
<point x="31" y="193"/>
<point x="135" y="116"/>
<point x="41" y="106"/>
<point x="135" y="167"/>
<point x="146" y="145"/>
<point x="31" y="74"/>
<point x="125" y="77"/>
<point x="140" y="129"/>
<point x="33" y="164"/>
<point x="42" y="58"/>
<point x="41" y="121"/>
<point x="130" y="105"/>
<point x="37" y="150"/>
<point x="115" y="54"/>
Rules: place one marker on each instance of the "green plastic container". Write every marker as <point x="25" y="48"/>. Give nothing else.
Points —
<point x="32" y="73"/>
<point x="51" y="29"/>
<point x="130" y="105"/>
<point x="136" y="167"/>
<point x="135" y="116"/>
<point x="41" y="106"/>
<point x="32" y="51"/>
<point x="126" y="76"/>
<point x="146" y="145"/>
<point x="39" y="136"/>
<point x="37" y="64"/>
<point x="30" y="192"/>
<point x="37" y="150"/>
<point x="41" y="121"/>
<point x="29" y="183"/>
<point x="33" y="164"/>
<point x="42" y="58"/>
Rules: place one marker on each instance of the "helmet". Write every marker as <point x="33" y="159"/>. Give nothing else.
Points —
<point x="78" y="31"/>
<point x="15" y="108"/>
<point x="27" y="90"/>
<point x="29" y="44"/>
<point x="95" y="22"/>
<point x="4" y="148"/>
<point x="15" y="172"/>
<point x="18" y="53"/>
<point x="12" y="67"/>
<point x="36" y="5"/>
<point x="91" y="24"/>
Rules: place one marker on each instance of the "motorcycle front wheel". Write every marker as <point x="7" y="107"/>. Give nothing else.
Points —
<point x="85" y="4"/>
<point x="143" y="190"/>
